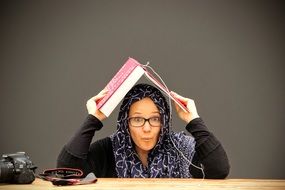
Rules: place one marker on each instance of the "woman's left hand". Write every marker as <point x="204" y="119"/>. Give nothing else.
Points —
<point x="190" y="104"/>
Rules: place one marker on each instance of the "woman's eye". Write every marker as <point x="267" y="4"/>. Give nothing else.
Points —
<point x="138" y="119"/>
<point x="155" y="119"/>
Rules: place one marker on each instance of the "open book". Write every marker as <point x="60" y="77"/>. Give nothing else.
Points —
<point x="124" y="80"/>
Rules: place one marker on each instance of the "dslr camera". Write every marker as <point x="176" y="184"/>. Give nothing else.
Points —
<point x="17" y="168"/>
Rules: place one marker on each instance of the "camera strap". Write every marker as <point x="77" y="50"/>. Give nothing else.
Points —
<point x="67" y="176"/>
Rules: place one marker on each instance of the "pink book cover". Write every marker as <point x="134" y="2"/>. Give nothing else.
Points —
<point x="118" y="79"/>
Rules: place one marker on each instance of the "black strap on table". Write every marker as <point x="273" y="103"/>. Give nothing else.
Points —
<point x="67" y="176"/>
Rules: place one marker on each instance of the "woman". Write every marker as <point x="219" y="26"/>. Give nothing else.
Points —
<point x="144" y="144"/>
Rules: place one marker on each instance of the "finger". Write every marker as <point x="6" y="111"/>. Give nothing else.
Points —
<point x="180" y="98"/>
<point x="100" y="95"/>
<point x="104" y="91"/>
<point x="176" y="106"/>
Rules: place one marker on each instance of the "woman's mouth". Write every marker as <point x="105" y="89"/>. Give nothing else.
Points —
<point x="146" y="139"/>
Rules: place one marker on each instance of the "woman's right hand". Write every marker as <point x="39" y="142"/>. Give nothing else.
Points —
<point x="91" y="105"/>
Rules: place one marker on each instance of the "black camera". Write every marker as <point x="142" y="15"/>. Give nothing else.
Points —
<point x="17" y="168"/>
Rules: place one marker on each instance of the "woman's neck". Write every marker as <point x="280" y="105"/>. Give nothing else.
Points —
<point x="143" y="155"/>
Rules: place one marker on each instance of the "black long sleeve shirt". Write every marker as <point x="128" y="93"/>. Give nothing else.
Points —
<point x="98" y="157"/>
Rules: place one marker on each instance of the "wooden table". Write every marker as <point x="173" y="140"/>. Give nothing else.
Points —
<point x="154" y="184"/>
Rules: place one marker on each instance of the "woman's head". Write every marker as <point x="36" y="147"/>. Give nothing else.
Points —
<point x="144" y="124"/>
<point x="148" y="103"/>
<point x="144" y="102"/>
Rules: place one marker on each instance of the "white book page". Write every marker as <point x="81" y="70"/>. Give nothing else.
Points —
<point x="164" y="89"/>
<point x="122" y="90"/>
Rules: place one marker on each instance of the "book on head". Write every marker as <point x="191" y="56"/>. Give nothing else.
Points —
<point x="123" y="81"/>
<point x="119" y="85"/>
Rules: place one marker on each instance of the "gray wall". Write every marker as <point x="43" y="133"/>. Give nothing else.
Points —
<point x="227" y="55"/>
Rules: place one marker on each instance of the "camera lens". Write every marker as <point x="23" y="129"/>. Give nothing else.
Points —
<point x="6" y="171"/>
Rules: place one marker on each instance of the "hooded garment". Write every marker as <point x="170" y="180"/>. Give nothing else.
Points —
<point x="165" y="159"/>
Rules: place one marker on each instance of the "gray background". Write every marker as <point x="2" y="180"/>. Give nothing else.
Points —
<point x="226" y="55"/>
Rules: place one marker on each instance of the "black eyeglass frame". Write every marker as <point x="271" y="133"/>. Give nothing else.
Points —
<point x="145" y="120"/>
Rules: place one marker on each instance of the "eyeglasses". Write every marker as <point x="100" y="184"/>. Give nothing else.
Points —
<point x="140" y="121"/>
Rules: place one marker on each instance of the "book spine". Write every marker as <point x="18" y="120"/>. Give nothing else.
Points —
<point x="118" y="79"/>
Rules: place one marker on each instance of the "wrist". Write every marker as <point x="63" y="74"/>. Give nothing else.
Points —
<point x="192" y="118"/>
<point x="99" y="115"/>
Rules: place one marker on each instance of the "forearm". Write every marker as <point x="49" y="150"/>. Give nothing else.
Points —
<point x="79" y="144"/>
<point x="74" y="153"/>
<point x="209" y="152"/>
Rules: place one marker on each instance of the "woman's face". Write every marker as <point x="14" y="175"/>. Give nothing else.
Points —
<point x="146" y="136"/>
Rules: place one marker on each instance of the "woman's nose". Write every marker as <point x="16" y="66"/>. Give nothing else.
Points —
<point x="146" y="127"/>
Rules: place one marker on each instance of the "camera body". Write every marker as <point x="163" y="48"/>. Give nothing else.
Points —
<point x="17" y="168"/>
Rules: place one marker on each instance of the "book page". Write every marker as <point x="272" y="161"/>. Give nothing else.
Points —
<point x="164" y="89"/>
